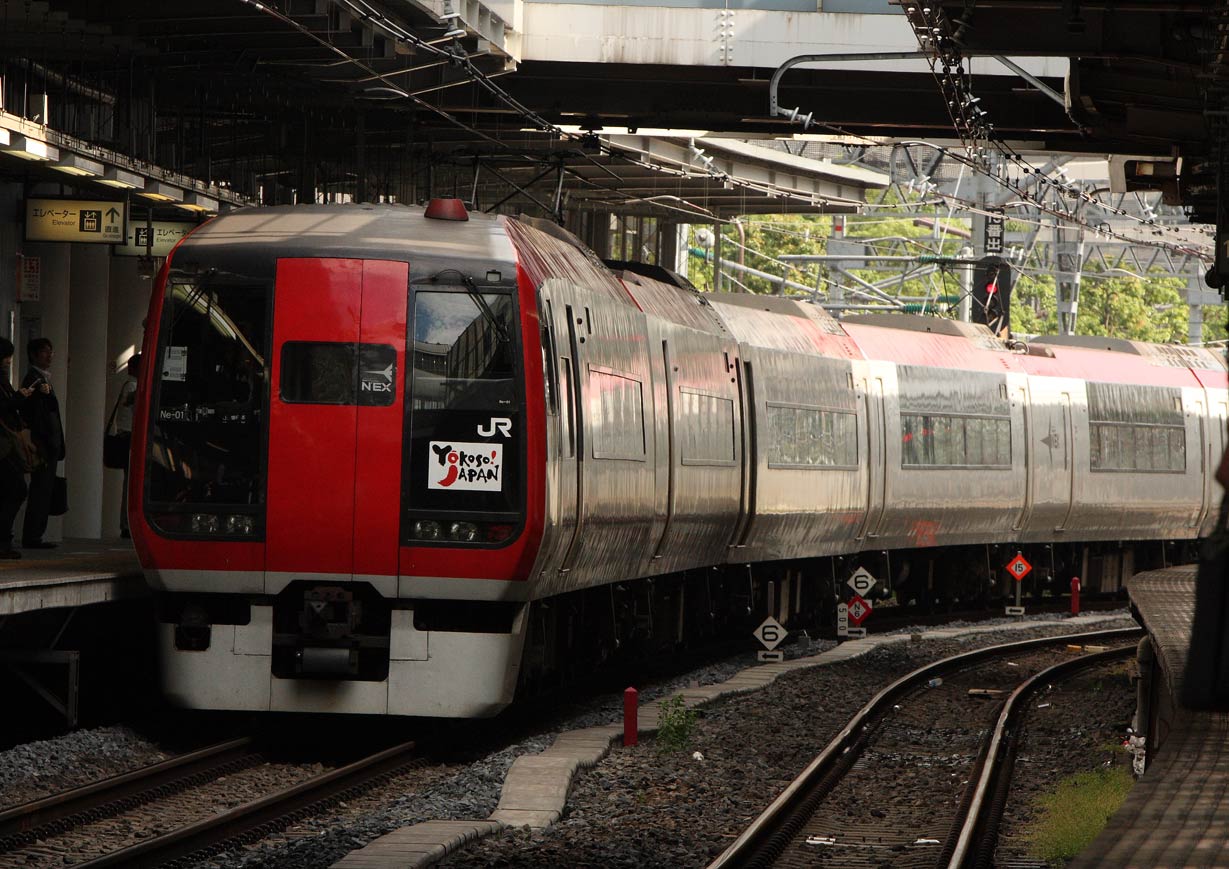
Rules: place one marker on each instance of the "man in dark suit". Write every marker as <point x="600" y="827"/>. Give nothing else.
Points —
<point x="42" y="413"/>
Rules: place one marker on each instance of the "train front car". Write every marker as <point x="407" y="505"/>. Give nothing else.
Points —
<point x="333" y="462"/>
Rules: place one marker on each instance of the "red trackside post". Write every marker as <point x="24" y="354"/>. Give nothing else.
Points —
<point x="631" y="706"/>
<point x="1075" y="595"/>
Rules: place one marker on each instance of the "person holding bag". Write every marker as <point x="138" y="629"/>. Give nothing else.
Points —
<point x="117" y="437"/>
<point x="18" y="454"/>
<point x="42" y="414"/>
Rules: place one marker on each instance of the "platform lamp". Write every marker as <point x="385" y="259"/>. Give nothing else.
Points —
<point x="27" y="148"/>
<point x="198" y="203"/>
<point x="113" y="176"/>
<point x="160" y="192"/>
<point x="75" y="164"/>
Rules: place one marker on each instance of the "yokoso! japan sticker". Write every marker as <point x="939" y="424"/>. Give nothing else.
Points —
<point x="461" y="466"/>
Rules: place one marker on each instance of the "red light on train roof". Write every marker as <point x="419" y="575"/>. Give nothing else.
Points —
<point x="447" y="209"/>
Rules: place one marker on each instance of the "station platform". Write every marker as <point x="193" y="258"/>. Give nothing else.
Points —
<point x="75" y="573"/>
<point x="1177" y="813"/>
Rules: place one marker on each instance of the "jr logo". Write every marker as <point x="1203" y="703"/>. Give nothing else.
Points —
<point x="500" y="424"/>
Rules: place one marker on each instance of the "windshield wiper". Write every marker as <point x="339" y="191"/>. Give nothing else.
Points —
<point x="484" y="308"/>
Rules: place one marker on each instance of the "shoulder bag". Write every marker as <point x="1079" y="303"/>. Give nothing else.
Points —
<point x="21" y="449"/>
<point x="115" y="444"/>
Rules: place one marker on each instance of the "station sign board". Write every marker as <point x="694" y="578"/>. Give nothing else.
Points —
<point x="994" y="231"/>
<point x="153" y="239"/>
<point x="30" y="279"/>
<point x="88" y="221"/>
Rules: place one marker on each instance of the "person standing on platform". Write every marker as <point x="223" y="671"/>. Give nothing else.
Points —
<point x="123" y="426"/>
<point x="42" y="413"/>
<point x="12" y="470"/>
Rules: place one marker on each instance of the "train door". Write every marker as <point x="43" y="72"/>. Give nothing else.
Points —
<point x="748" y="452"/>
<point x="876" y="477"/>
<point x="335" y="421"/>
<point x="671" y="449"/>
<point x="558" y="365"/>
<point x="1025" y="455"/>
<point x="1207" y="466"/>
<point x="571" y="440"/>
<point x="1068" y="428"/>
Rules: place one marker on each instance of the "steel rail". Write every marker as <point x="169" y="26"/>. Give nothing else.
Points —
<point x="769" y="834"/>
<point x="26" y="823"/>
<point x="253" y="820"/>
<point x="974" y="844"/>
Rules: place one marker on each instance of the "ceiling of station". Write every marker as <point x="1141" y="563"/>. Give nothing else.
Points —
<point x="366" y="99"/>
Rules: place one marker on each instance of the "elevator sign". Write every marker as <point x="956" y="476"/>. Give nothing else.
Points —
<point x="153" y="239"/>
<point x="92" y="221"/>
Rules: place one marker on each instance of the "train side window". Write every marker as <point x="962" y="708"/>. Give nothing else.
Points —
<point x="324" y="372"/>
<point x="618" y="423"/>
<point x="811" y="437"/>
<point x="706" y="424"/>
<point x="1136" y="429"/>
<point x="942" y="441"/>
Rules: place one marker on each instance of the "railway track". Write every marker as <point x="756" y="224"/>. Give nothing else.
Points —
<point x="961" y="834"/>
<point x="177" y="793"/>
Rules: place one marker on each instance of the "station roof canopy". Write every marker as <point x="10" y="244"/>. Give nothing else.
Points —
<point x="371" y="98"/>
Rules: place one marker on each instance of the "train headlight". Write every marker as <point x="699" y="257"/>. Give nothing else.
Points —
<point x="239" y="524"/>
<point x="465" y="532"/>
<point x="425" y="529"/>
<point x="204" y="523"/>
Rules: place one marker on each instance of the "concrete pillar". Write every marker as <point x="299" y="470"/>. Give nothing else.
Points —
<point x="10" y="244"/>
<point x="84" y="402"/>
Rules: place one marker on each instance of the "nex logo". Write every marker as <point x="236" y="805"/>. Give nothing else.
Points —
<point x="500" y="424"/>
<point x="368" y="385"/>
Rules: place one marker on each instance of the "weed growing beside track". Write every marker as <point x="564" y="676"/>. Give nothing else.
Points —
<point x="1077" y="810"/>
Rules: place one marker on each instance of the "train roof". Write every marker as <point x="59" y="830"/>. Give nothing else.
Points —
<point x="1121" y="361"/>
<point x="779" y="323"/>
<point x="1173" y="355"/>
<point x="249" y="241"/>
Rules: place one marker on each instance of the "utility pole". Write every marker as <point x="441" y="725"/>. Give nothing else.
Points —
<point x="966" y="284"/>
<point x="1069" y="258"/>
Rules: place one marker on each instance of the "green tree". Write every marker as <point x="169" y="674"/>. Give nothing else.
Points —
<point x="1214" y="327"/>
<point x="1114" y="306"/>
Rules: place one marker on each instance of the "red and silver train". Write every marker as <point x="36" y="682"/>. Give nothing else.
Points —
<point x="391" y="459"/>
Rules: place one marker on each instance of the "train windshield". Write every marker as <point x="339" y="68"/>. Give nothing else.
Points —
<point x="209" y="395"/>
<point x="464" y="450"/>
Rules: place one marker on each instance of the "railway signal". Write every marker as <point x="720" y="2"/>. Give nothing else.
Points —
<point x="859" y="609"/>
<point x="1019" y="568"/>
<point x="861" y="582"/>
<point x="770" y="633"/>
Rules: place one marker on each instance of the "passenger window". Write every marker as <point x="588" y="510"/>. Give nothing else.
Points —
<point x="209" y="394"/>
<point x="320" y="372"/>
<point x="1136" y="428"/>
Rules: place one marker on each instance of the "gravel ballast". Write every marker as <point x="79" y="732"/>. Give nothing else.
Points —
<point x="637" y="808"/>
<point x="37" y="769"/>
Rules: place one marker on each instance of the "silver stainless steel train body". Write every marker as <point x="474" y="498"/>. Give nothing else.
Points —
<point x="688" y="430"/>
